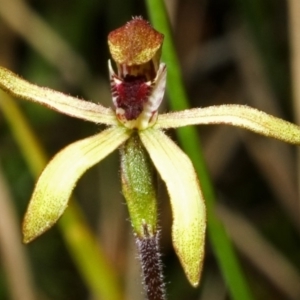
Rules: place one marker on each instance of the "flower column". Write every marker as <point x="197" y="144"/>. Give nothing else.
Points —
<point x="137" y="91"/>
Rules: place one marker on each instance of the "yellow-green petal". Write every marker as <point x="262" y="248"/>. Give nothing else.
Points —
<point x="188" y="208"/>
<point x="235" y="115"/>
<point x="68" y="105"/>
<point x="55" y="185"/>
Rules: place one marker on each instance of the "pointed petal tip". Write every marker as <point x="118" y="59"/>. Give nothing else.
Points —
<point x="27" y="238"/>
<point x="192" y="265"/>
<point x="30" y="236"/>
<point x="34" y="227"/>
<point x="194" y="279"/>
<point x="194" y="283"/>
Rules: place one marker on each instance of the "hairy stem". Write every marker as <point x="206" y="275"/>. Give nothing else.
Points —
<point x="149" y="255"/>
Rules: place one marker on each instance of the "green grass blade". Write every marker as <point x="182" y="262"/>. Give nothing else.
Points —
<point x="189" y="141"/>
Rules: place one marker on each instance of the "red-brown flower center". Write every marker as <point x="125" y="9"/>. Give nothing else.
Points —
<point x="131" y="95"/>
<point x="138" y="87"/>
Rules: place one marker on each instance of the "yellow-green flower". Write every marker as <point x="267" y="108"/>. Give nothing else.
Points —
<point x="137" y="91"/>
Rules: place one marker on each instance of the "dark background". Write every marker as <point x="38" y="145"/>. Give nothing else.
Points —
<point x="231" y="51"/>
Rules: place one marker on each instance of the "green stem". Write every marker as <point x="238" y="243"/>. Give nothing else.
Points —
<point x="138" y="186"/>
<point x="189" y="140"/>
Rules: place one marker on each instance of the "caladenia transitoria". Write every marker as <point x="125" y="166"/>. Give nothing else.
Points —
<point x="138" y="81"/>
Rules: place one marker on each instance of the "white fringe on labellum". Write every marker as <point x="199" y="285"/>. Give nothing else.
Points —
<point x="148" y="115"/>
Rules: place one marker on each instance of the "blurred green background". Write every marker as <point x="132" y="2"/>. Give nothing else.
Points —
<point x="231" y="51"/>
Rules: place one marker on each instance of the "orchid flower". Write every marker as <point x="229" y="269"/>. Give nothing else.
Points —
<point x="135" y="126"/>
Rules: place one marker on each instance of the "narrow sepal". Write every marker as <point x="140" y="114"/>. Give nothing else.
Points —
<point x="188" y="208"/>
<point x="235" y="115"/>
<point x="68" y="105"/>
<point x="55" y="185"/>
